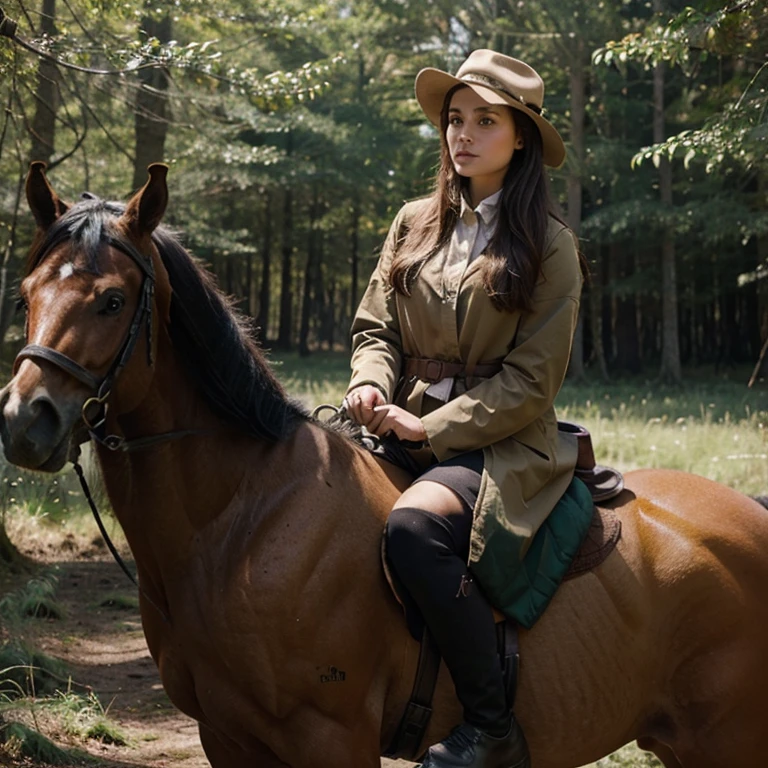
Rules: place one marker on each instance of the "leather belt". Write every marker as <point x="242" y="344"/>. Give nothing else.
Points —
<point x="426" y="369"/>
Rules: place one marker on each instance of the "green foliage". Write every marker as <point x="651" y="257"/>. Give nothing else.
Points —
<point x="737" y="132"/>
<point x="21" y="741"/>
<point x="43" y="496"/>
<point x="628" y="757"/>
<point x="25" y="671"/>
<point x="80" y="717"/>
<point x="84" y="717"/>
<point x="37" y="599"/>
<point x="293" y="135"/>
<point x="119" y="602"/>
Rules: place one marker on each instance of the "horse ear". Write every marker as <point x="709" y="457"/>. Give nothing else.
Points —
<point x="44" y="203"/>
<point x="146" y="208"/>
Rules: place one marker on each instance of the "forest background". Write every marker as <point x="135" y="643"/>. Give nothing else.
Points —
<point x="293" y="137"/>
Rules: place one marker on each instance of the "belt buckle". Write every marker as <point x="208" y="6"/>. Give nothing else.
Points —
<point x="437" y="366"/>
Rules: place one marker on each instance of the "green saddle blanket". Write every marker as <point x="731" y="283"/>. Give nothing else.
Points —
<point x="522" y="592"/>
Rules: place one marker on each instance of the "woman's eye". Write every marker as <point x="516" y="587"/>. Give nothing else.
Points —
<point x="113" y="304"/>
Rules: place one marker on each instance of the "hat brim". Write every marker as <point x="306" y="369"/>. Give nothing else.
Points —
<point x="432" y="85"/>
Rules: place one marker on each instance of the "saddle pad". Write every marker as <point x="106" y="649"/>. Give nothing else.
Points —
<point x="522" y="590"/>
<point x="601" y="539"/>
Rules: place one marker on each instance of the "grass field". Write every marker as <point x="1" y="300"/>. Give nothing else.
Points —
<point x="713" y="426"/>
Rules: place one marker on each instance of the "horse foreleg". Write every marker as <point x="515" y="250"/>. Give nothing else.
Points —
<point x="222" y="755"/>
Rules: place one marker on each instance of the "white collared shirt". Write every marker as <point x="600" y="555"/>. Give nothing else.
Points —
<point x="473" y="230"/>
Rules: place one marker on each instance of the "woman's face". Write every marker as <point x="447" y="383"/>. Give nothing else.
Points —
<point x="481" y="139"/>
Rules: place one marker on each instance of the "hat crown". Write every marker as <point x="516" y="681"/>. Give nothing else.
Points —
<point x="497" y="79"/>
<point x="503" y="73"/>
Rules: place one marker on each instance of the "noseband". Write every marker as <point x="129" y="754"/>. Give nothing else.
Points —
<point x="102" y="386"/>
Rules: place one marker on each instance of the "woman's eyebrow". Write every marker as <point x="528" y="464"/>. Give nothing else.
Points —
<point x="489" y="108"/>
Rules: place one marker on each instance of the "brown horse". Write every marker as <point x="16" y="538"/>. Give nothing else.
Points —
<point x="256" y="536"/>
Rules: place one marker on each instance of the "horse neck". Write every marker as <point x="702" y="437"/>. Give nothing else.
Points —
<point x="166" y="492"/>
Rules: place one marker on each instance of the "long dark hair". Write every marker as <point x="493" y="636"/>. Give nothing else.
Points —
<point x="516" y="249"/>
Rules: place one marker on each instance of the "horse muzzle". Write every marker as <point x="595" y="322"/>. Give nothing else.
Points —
<point x="35" y="429"/>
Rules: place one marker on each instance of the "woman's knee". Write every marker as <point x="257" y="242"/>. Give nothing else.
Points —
<point x="432" y="497"/>
<point x="406" y="533"/>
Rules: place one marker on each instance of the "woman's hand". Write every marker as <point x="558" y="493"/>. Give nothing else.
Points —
<point x="392" y="418"/>
<point x="361" y="401"/>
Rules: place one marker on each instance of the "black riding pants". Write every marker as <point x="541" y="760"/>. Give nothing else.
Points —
<point x="428" y="552"/>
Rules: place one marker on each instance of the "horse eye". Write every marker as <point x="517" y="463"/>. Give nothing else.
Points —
<point x="113" y="305"/>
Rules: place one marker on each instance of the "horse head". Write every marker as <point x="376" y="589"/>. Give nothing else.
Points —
<point x="96" y="294"/>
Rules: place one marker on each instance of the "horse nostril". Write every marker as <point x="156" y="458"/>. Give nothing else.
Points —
<point x="46" y="421"/>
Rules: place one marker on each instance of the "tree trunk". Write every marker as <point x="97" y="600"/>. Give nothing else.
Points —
<point x="596" y="316"/>
<point x="309" y="275"/>
<point x="329" y="317"/>
<point x="152" y="110"/>
<point x="355" y="257"/>
<point x="247" y="288"/>
<point x="624" y="331"/>
<point x="670" y="343"/>
<point x="575" y="193"/>
<point x="262" y="318"/>
<point x="10" y="558"/>
<point x="761" y="367"/>
<point x="284" y="333"/>
<point x="46" y="95"/>
<point x="6" y="301"/>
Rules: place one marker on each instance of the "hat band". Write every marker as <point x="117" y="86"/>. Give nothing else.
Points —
<point x="498" y="86"/>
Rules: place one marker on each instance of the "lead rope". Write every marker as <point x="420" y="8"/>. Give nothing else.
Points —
<point x="119" y="560"/>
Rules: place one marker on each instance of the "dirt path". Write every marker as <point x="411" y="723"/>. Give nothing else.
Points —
<point x="103" y="644"/>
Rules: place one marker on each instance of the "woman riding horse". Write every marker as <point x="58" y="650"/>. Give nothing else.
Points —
<point x="256" y="534"/>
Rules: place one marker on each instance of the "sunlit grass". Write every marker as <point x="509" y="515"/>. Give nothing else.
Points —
<point x="318" y="379"/>
<point x="29" y="728"/>
<point x="84" y="717"/>
<point x="45" y="515"/>
<point x="628" y="757"/>
<point x="712" y="426"/>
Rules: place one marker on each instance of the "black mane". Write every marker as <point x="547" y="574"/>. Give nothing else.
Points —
<point x="213" y="340"/>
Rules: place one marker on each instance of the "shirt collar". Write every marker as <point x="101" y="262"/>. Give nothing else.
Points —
<point x="487" y="210"/>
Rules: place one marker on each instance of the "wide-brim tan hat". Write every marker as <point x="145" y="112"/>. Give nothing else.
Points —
<point x="497" y="79"/>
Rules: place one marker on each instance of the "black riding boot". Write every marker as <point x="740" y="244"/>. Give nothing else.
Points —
<point x="422" y="550"/>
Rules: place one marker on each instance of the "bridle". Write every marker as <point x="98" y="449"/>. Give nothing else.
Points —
<point x="102" y="386"/>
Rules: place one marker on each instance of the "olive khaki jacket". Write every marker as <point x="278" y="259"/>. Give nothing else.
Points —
<point x="528" y="463"/>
